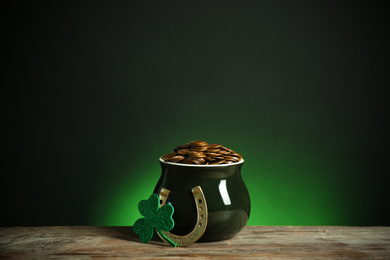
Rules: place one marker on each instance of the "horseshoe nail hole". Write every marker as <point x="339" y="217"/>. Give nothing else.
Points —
<point x="200" y="201"/>
<point x="200" y="208"/>
<point x="201" y="216"/>
<point x="200" y="224"/>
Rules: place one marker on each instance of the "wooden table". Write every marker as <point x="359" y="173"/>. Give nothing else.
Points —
<point x="281" y="242"/>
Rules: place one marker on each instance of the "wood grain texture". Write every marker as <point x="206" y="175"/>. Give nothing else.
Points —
<point x="280" y="242"/>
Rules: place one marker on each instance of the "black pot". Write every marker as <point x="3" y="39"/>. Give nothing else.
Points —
<point x="225" y="192"/>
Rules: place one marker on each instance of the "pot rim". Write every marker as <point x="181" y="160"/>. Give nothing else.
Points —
<point x="201" y="165"/>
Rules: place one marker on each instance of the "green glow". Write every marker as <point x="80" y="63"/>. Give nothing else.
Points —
<point x="287" y="171"/>
<point x="285" y="189"/>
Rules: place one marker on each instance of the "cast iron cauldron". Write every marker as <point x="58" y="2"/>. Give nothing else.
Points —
<point x="227" y="197"/>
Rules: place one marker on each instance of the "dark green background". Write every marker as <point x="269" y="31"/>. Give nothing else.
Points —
<point x="94" y="92"/>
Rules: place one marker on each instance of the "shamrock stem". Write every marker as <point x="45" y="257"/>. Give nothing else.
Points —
<point x="167" y="239"/>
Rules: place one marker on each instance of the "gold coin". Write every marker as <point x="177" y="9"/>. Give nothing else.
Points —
<point x="213" y="150"/>
<point x="183" y="151"/>
<point x="210" y="154"/>
<point x="216" y="162"/>
<point x="199" y="148"/>
<point x="198" y="143"/>
<point x="177" y="158"/>
<point x="231" y="158"/>
<point x="195" y="154"/>
<point x="167" y="156"/>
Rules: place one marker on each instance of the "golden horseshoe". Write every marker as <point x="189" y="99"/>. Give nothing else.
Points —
<point x="201" y="220"/>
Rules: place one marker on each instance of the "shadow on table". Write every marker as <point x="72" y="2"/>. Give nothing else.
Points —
<point x="127" y="233"/>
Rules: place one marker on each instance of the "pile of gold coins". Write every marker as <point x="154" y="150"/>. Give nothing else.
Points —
<point x="202" y="153"/>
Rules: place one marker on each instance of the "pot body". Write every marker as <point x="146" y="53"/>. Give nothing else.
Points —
<point x="225" y="192"/>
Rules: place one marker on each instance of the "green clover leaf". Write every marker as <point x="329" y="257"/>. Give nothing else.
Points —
<point x="154" y="216"/>
<point x="149" y="207"/>
<point x="144" y="229"/>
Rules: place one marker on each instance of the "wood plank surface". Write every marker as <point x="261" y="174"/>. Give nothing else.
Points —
<point x="279" y="242"/>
